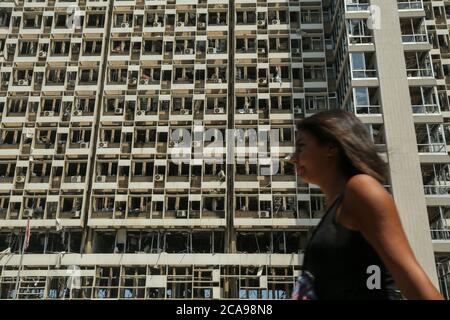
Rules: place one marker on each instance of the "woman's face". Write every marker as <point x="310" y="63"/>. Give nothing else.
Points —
<point x="312" y="160"/>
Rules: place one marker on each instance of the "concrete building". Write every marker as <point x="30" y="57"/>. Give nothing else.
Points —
<point x="97" y="99"/>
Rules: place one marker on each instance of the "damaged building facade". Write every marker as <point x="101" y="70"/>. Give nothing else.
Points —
<point x="93" y="94"/>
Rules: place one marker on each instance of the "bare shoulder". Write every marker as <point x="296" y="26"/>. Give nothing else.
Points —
<point x="365" y="201"/>
<point x="365" y="187"/>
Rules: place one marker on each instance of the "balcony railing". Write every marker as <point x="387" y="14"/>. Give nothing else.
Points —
<point x="432" y="148"/>
<point x="368" y="110"/>
<point x="419" y="73"/>
<point x="357" y="6"/>
<point x="360" y="39"/>
<point x="415" y="38"/>
<point x="363" y="74"/>
<point x="410" y="5"/>
<point x="434" y="190"/>
<point x="440" y="234"/>
<point x="426" y="109"/>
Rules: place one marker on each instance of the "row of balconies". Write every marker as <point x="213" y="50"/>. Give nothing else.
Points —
<point x="128" y="22"/>
<point x="177" y="241"/>
<point x="65" y="50"/>
<point x="50" y="79"/>
<point x="153" y="50"/>
<point x="364" y="5"/>
<point x="279" y="109"/>
<point x="16" y="111"/>
<point x="15" y="108"/>
<point x="136" y="206"/>
<point x="60" y="79"/>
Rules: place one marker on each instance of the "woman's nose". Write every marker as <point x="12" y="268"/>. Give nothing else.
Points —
<point x="292" y="158"/>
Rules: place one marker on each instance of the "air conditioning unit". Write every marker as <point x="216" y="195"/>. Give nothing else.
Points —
<point x="42" y="54"/>
<point x="84" y="145"/>
<point x="76" y="213"/>
<point x="202" y="25"/>
<point x="118" y="111"/>
<point x="172" y="144"/>
<point x="119" y="213"/>
<point x="219" y="110"/>
<point x="197" y="144"/>
<point x="181" y="213"/>
<point x="262" y="80"/>
<point x="297" y="110"/>
<point x="261" y="23"/>
<point x="261" y="50"/>
<point x="20" y="179"/>
<point x="275" y="21"/>
<point x="103" y="144"/>
<point x="143" y="81"/>
<point x="28" y="213"/>
<point x="221" y="175"/>
<point x="140" y="113"/>
<point x="77" y="113"/>
<point x="212" y="50"/>
<point x="156" y="24"/>
<point x="75" y="179"/>
<point x="23" y="82"/>
<point x="49" y="113"/>
<point x="296" y="51"/>
<point x="265" y="214"/>
<point x="159" y="177"/>
<point x="100" y="179"/>
<point x="184" y="111"/>
<point x="188" y="51"/>
<point x="180" y="24"/>
<point x="218" y="80"/>
<point x="132" y="81"/>
<point x="124" y="25"/>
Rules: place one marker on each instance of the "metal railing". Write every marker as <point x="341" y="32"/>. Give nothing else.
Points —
<point x="367" y="110"/>
<point x="419" y="73"/>
<point x="443" y="269"/>
<point x="426" y="109"/>
<point x="410" y="5"/>
<point x="432" y="148"/>
<point x="440" y="234"/>
<point x="363" y="74"/>
<point x="415" y="38"/>
<point x="360" y="39"/>
<point x="435" y="190"/>
<point x="357" y="6"/>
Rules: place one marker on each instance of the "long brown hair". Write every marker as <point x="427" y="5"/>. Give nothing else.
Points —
<point x="358" y="153"/>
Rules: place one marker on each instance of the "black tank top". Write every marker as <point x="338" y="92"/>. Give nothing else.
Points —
<point x="338" y="258"/>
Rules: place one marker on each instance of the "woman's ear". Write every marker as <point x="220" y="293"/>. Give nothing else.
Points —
<point x="332" y="150"/>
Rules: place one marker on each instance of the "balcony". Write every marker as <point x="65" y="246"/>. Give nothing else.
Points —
<point x="357" y="5"/>
<point x="410" y="4"/>
<point x="430" y="138"/>
<point x="363" y="65"/>
<point x="418" y="65"/>
<point x="424" y="100"/>
<point x="440" y="234"/>
<point x="420" y="73"/>
<point x="426" y="109"/>
<point x="436" y="190"/>
<point x="415" y="38"/>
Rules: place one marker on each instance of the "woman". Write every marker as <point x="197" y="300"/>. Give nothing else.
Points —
<point x="359" y="249"/>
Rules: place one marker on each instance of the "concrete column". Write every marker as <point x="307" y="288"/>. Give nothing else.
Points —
<point x="405" y="172"/>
